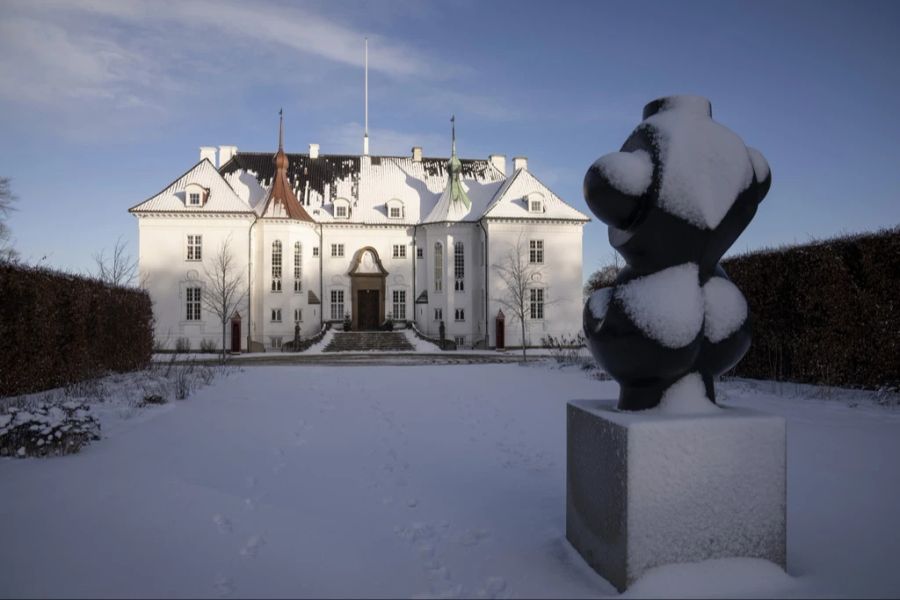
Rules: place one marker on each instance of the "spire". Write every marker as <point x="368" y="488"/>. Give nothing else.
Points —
<point x="453" y="126"/>
<point x="281" y="193"/>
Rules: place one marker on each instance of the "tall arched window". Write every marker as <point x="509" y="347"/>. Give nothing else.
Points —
<point x="459" y="266"/>
<point x="438" y="267"/>
<point x="298" y="266"/>
<point x="276" y="266"/>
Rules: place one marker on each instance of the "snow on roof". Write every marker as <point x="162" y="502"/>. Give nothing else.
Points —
<point x="510" y="202"/>
<point x="220" y="197"/>
<point x="368" y="183"/>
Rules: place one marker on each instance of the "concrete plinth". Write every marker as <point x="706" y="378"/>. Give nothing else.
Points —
<point x="645" y="489"/>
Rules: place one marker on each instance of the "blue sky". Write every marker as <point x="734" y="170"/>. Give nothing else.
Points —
<point x="102" y="104"/>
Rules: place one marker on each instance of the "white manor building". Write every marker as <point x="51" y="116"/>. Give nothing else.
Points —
<point x="318" y="237"/>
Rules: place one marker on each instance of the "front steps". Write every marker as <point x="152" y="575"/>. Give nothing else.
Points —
<point x="368" y="341"/>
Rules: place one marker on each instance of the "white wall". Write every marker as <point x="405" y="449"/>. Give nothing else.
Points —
<point x="166" y="272"/>
<point x="560" y="276"/>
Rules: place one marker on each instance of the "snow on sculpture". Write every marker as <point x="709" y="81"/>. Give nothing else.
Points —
<point x="676" y="197"/>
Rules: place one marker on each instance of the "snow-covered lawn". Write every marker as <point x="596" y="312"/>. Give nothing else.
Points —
<point x="408" y="481"/>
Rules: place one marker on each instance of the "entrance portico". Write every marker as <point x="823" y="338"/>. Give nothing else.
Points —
<point x="367" y="289"/>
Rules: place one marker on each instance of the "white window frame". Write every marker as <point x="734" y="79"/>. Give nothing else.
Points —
<point x="192" y="303"/>
<point x="276" y="315"/>
<point x="536" y="301"/>
<point x="438" y="314"/>
<point x="194" y="247"/>
<point x="399" y="251"/>
<point x="536" y="252"/>
<point x="535" y="204"/>
<point x="438" y="267"/>
<point x="337" y="250"/>
<point x="298" y="315"/>
<point x="459" y="266"/>
<point x="459" y="315"/>
<point x="275" y="342"/>
<point x="315" y="251"/>
<point x="399" y="305"/>
<point x="192" y="196"/>
<point x="337" y="305"/>
<point x="420" y="252"/>
<point x="298" y="267"/>
<point x="277" y="256"/>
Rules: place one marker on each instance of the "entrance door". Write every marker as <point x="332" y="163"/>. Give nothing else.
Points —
<point x="235" y="336"/>
<point x="367" y="307"/>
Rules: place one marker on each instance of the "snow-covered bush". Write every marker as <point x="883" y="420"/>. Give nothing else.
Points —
<point x="47" y="430"/>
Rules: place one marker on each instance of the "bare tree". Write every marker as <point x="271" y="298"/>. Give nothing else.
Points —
<point x="518" y="274"/>
<point x="6" y="206"/>
<point x="118" y="268"/>
<point x="226" y="290"/>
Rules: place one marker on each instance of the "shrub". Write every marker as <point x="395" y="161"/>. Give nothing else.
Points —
<point x="824" y="313"/>
<point x="208" y="346"/>
<point x="565" y="349"/>
<point x="47" y="430"/>
<point x="183" y="345"/>
<point x="58" y="329"/>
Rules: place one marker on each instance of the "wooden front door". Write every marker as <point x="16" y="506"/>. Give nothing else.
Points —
<point x="367" y="307"/>
<point x="500" y="334"/>
<point x="235" y="335"/>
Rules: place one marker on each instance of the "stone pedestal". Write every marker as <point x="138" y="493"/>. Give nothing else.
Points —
<point x="645" y="489"/>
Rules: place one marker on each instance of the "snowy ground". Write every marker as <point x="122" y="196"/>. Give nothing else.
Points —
<point x="410" y="482"/>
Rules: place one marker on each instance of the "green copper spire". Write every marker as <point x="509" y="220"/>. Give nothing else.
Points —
<point x="454" y="166"/>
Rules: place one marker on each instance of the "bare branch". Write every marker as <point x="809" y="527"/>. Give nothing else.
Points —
<point x="225" y="290"/>
<point x="518" y="275"/>
<point x="7" y="199"/>
<point x="117" y="269"/>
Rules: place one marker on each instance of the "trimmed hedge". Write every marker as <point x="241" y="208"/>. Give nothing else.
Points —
<point x="57" y="329"/>
<point x="824" y="313"/>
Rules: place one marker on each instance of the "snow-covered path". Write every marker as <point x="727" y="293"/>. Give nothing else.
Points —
<point x="399" y="481"/>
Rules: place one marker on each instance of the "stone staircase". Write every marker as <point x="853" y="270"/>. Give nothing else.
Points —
<point x="368" y="341"/>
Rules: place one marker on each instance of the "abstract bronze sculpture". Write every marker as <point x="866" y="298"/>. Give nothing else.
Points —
<point x="676" y="197"/>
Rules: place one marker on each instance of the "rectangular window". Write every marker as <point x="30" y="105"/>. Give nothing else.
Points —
<point x="298" y="267"/>
<point x="460" y="341"/>
<point x="193" y="303"/>
<point x="537" y="303"/>
<point x="276" y="266"/>
<point x="420" y="253"/>
<point x="315" y="250"/>
<point x="337" y="305"/>
<point x="399" y="251"/>
<point x="276" y="315"/>
<point x="340" y="211"/>
<point x="460" y="314"/>
<point x="534" y="206"/>
<point x="194" y="247"/>
<point x="337" y="250"/>
<point x="438" y="268"/>
<point x="536" y="252"/>
<point x="194" y="199"/>
<point x="400" y="304"/>
<point x="275" y="342"/>
<point x="459" y="266"/>
<point x="395" y="212"/>
<point x="298" y="315"/>
<point x="439" y="314"/>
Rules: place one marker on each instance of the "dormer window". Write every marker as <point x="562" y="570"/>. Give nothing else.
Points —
<point x="195" y="195"/>
<point x="395" y="209"/>
<point x="535" y="203"/>
<point x="341" y="209"/>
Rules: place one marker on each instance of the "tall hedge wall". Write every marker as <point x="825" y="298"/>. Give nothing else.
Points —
<point x="824" y="313"/>
<point x="57" y="329"/>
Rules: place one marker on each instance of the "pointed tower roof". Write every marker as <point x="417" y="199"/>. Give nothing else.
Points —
<point x="281" y="193"/>
<point x="454" y="203"/>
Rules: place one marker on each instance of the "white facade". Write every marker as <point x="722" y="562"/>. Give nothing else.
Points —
<point x="353" y="229"/>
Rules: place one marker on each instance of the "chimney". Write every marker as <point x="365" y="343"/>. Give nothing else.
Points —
<point x="208" y="152"/>
<point x="417" y="153"/>
<point x="520" y="162"/>
<point x="498" y="161"/>
<point x="226" y="153"/>
<point x="314" y="151"/>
